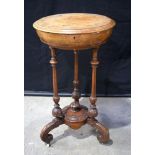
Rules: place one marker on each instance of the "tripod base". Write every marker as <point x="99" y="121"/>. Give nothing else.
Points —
<point x="75" y="119"/>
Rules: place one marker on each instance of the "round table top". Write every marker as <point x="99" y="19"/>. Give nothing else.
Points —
<point x="74" y="23"/>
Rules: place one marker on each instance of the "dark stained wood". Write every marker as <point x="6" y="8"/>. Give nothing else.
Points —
<point x="74" y="31"/>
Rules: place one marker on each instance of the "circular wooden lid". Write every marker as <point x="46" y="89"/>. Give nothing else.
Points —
<point x="74" y="23"/>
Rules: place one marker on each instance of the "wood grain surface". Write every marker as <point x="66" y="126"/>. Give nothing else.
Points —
<point x="74" y="31"/>
<point x="74" y="23"/>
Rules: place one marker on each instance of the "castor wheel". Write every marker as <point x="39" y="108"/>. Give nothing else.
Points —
<point x="45" y="135"/>
<point x="49" y="139"/>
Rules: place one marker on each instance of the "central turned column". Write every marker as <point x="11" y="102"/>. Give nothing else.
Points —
<point x="76" y="115"/>
<point x="76" y="92"/>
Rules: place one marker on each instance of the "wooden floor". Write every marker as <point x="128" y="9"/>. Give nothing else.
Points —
<point x="113" y="112"/>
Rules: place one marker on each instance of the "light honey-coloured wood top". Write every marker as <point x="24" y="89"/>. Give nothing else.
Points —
<point x="74" y="23"/>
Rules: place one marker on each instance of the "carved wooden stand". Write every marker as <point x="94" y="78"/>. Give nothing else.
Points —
<point x="75" y="115"/>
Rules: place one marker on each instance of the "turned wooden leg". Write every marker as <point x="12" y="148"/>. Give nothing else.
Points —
<point x="93" y="111"/>
<point x="103" y="136"/>
<point x="57" y="111"/>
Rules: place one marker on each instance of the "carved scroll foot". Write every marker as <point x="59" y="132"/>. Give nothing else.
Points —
<point x="45" y="136"/>
<point x="103" y="132"/>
